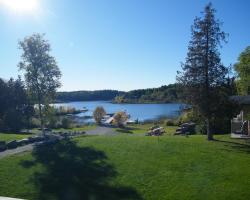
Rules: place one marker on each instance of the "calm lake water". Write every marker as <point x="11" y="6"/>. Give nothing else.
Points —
<point x="141" y="112"/>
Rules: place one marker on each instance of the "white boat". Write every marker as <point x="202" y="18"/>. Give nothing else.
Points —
<point x="84" y="109"/>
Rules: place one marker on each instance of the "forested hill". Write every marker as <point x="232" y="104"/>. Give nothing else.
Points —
<point x="97" y="95"/>
<point x="164" y="94"/>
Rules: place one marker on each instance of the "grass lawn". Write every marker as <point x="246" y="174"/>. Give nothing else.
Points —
<point x="8" y="136"/>
<point x="143" y="128"/>
<point x="125" y="167"/>
<point x="83" y="128"/>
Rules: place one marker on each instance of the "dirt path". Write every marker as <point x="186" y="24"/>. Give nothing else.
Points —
<point x="17" y="150"/>
<point x="101" y="130"/>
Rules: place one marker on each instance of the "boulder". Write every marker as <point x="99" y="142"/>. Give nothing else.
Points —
<point x="12" y="144"/>
<point x="186" y="128"/>
<point x="23" y="142"/>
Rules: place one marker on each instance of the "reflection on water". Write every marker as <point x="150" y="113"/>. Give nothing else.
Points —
<point x="141" y="112"/>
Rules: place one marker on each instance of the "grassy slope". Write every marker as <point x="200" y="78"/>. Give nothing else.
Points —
<point x="8" y="137"/>
<point x="174" y="167"/>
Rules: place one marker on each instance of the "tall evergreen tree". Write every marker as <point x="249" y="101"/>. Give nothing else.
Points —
<point x="203" y="73"/>
<point x="16" y="109"/>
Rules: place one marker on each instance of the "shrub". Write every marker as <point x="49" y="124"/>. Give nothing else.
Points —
<point x="35" y="122"/>
<point x="53" y="122"/>
<point x="66" y="123"/>
<point x="98" y="114"/>
<point x="201" y="129"/>
<point x="170" y="123"/>
<point x="120" y="119"/>
<point x="189" y="116"/>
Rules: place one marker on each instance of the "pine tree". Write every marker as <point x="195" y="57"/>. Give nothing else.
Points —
<point x="202" y="73"/>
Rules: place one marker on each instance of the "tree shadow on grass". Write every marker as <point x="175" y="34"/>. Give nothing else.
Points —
<point x="123" y="130"/>
<point x="126" y="130"/>
<point x="237" y="145"/>
<point x="75" y="173"/>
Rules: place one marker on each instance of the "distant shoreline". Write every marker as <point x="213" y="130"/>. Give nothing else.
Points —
<point x="161" y="95"/>
<point x="113" y="102"/>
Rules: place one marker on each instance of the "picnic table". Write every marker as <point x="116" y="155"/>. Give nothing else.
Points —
<point x="156" y="131"/>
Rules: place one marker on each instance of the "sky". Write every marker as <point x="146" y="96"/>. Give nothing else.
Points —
<point x="116" y="44"/>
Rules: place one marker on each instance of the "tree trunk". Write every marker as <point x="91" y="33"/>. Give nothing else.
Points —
<point x="207" y="87"/>
<point x="41" y="117"/>
<point x="209" y="133"/>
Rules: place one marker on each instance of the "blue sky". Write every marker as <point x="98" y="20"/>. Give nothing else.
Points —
<point x="118" y="44"/>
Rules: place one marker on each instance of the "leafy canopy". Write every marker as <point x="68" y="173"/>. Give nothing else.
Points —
<point x="242" y="68"/>
<point x="42" y="74"/>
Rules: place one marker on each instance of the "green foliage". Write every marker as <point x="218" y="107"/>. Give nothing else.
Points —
<point x="66" y="123"/>
<point x="246" y="109"/>
<point x="203" y="74"/>
<point x="120" y="118"/>
<point x="42" y="75"/>
<point x="7" y="137"/>
<point x="87" y="95"/>
<point x="242" y="67"/>
<point x="170" y="122"/>
<point x="63" y="110"/>
<point x="189" y="115"/>
<point x="98" y="114"/>
<point x="35" y="122"/>
<point x="50" y="119"/>
<point x="15" y="107"/>
<point x="164" y="94"/>
<point x="201" y="128"/>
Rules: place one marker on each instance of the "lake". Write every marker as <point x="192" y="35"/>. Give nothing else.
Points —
<point x="141" y="112"/>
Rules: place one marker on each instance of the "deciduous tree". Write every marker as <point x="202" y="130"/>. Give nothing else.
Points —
<point x="98" y="114"/>
<point x="242" y="68"/>
<point x="120" y="118"/>
<point x="42" y="75"/>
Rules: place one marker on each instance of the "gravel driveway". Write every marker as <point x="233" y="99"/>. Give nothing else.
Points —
<point x="17" y="150"/>
<point x="101" y="130"/>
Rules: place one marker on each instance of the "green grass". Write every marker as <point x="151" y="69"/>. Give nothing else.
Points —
<point x="131" y="167"/>
<point x="83" y="128"/>
<point x="143" y="128"/>
<point x="12" y="136"/>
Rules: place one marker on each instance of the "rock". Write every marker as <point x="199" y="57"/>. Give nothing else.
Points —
<point x="186" y="128"/>
<point x="12" y="144"/>
<point x="23" y="142"/>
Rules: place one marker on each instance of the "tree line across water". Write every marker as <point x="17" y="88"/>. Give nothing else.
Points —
<point x="97" y="95"/>
<point x="163" y="94"/>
